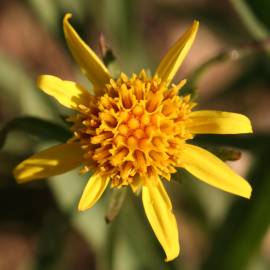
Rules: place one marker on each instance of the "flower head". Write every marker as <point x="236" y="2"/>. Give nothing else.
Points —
<point x="134" y="131"/>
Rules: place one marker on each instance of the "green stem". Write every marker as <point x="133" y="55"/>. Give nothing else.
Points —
<point x="255" y="27"/>
<point x="228" y="55"/>
<point x="112" y="238"/>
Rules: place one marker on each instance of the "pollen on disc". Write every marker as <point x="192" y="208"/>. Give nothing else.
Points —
<point x="123" y="129"/>
<point x="145" y="119"/>
<point x="133" y="123"/>
<point x="154" y="119"/>
<point x="157" y="141"/>
<point x="149" y="130"/>
<point x="139" y="133"/>
<point x="131" y="141"/>
<point x="123" y="116"/>
<point x="143" y="143"/>
<point x="138" y="110"/>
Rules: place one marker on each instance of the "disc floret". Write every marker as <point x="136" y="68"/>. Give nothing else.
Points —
<point x="134" y="131"/>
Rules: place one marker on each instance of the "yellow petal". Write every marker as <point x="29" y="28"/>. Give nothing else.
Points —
<point x="172" y="61"/>
<point x="158" y="209"/>
<point x="93" y="190"/>
<point x="89" y="62"/>
<point x="208" y="168"/>
<point x="69" y="94"/>
<point x="53" y="161"/>
<point x="216" y="122"/>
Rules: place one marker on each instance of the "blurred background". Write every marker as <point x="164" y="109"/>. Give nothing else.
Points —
<point x="228" y="69"/>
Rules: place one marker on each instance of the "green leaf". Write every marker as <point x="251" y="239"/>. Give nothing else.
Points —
<point x="240" y="236"/>
<point x="42" y="129"/>
<point x="261" y="10"/>
<point x="251" y="22"/>
<point x="254" y="142"/>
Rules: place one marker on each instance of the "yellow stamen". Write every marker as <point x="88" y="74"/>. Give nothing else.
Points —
<point x="120" y="154"/>
<point x="140" y="161"/>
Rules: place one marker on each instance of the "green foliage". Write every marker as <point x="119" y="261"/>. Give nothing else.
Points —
<point x="44" y="130"/>
<point x="245" y="225"/>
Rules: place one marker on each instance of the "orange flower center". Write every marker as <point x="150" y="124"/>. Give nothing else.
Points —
<point x="134" y="132"/>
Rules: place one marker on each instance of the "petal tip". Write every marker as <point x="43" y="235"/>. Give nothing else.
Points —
<point x="67" y="17"/>
<point x="195" y="26"/>
<point x="248" y="193"/>
<point x="250" y="127"/>
<point x="40" y="80"/>
<point x="81" y="207"/>
<point x="196" y="23"/>
<point x="173" y="256"/>
<point x="183" y="82"/>
<point x="66" y="24"/>
<point x="43" y="80"/>
<point x="16" y="175"/>
<point x="20" y="174"/>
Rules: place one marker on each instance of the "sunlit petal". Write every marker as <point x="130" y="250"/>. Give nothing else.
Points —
<point x="68" y="93"/>
<point x="158" y="209"/>
<point x="89" y="62"/>
<point x="208" y="168"/>
<point x="216" y="122"/>
<point x="172" y="61"/>
<point x="53" y="161"/>
<point x="93" y="191"/>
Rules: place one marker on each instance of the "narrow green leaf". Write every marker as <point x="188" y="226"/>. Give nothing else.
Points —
<point x="40" y="128"/>
<point x="240" y="236"/>
<point x="253" y="25"/>
<point x="254" y="142"/>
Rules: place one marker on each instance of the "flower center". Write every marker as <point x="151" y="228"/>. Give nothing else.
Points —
<point x="134" y="132"/>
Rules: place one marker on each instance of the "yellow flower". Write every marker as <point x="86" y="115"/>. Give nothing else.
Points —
<point x="134" y="131"/>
